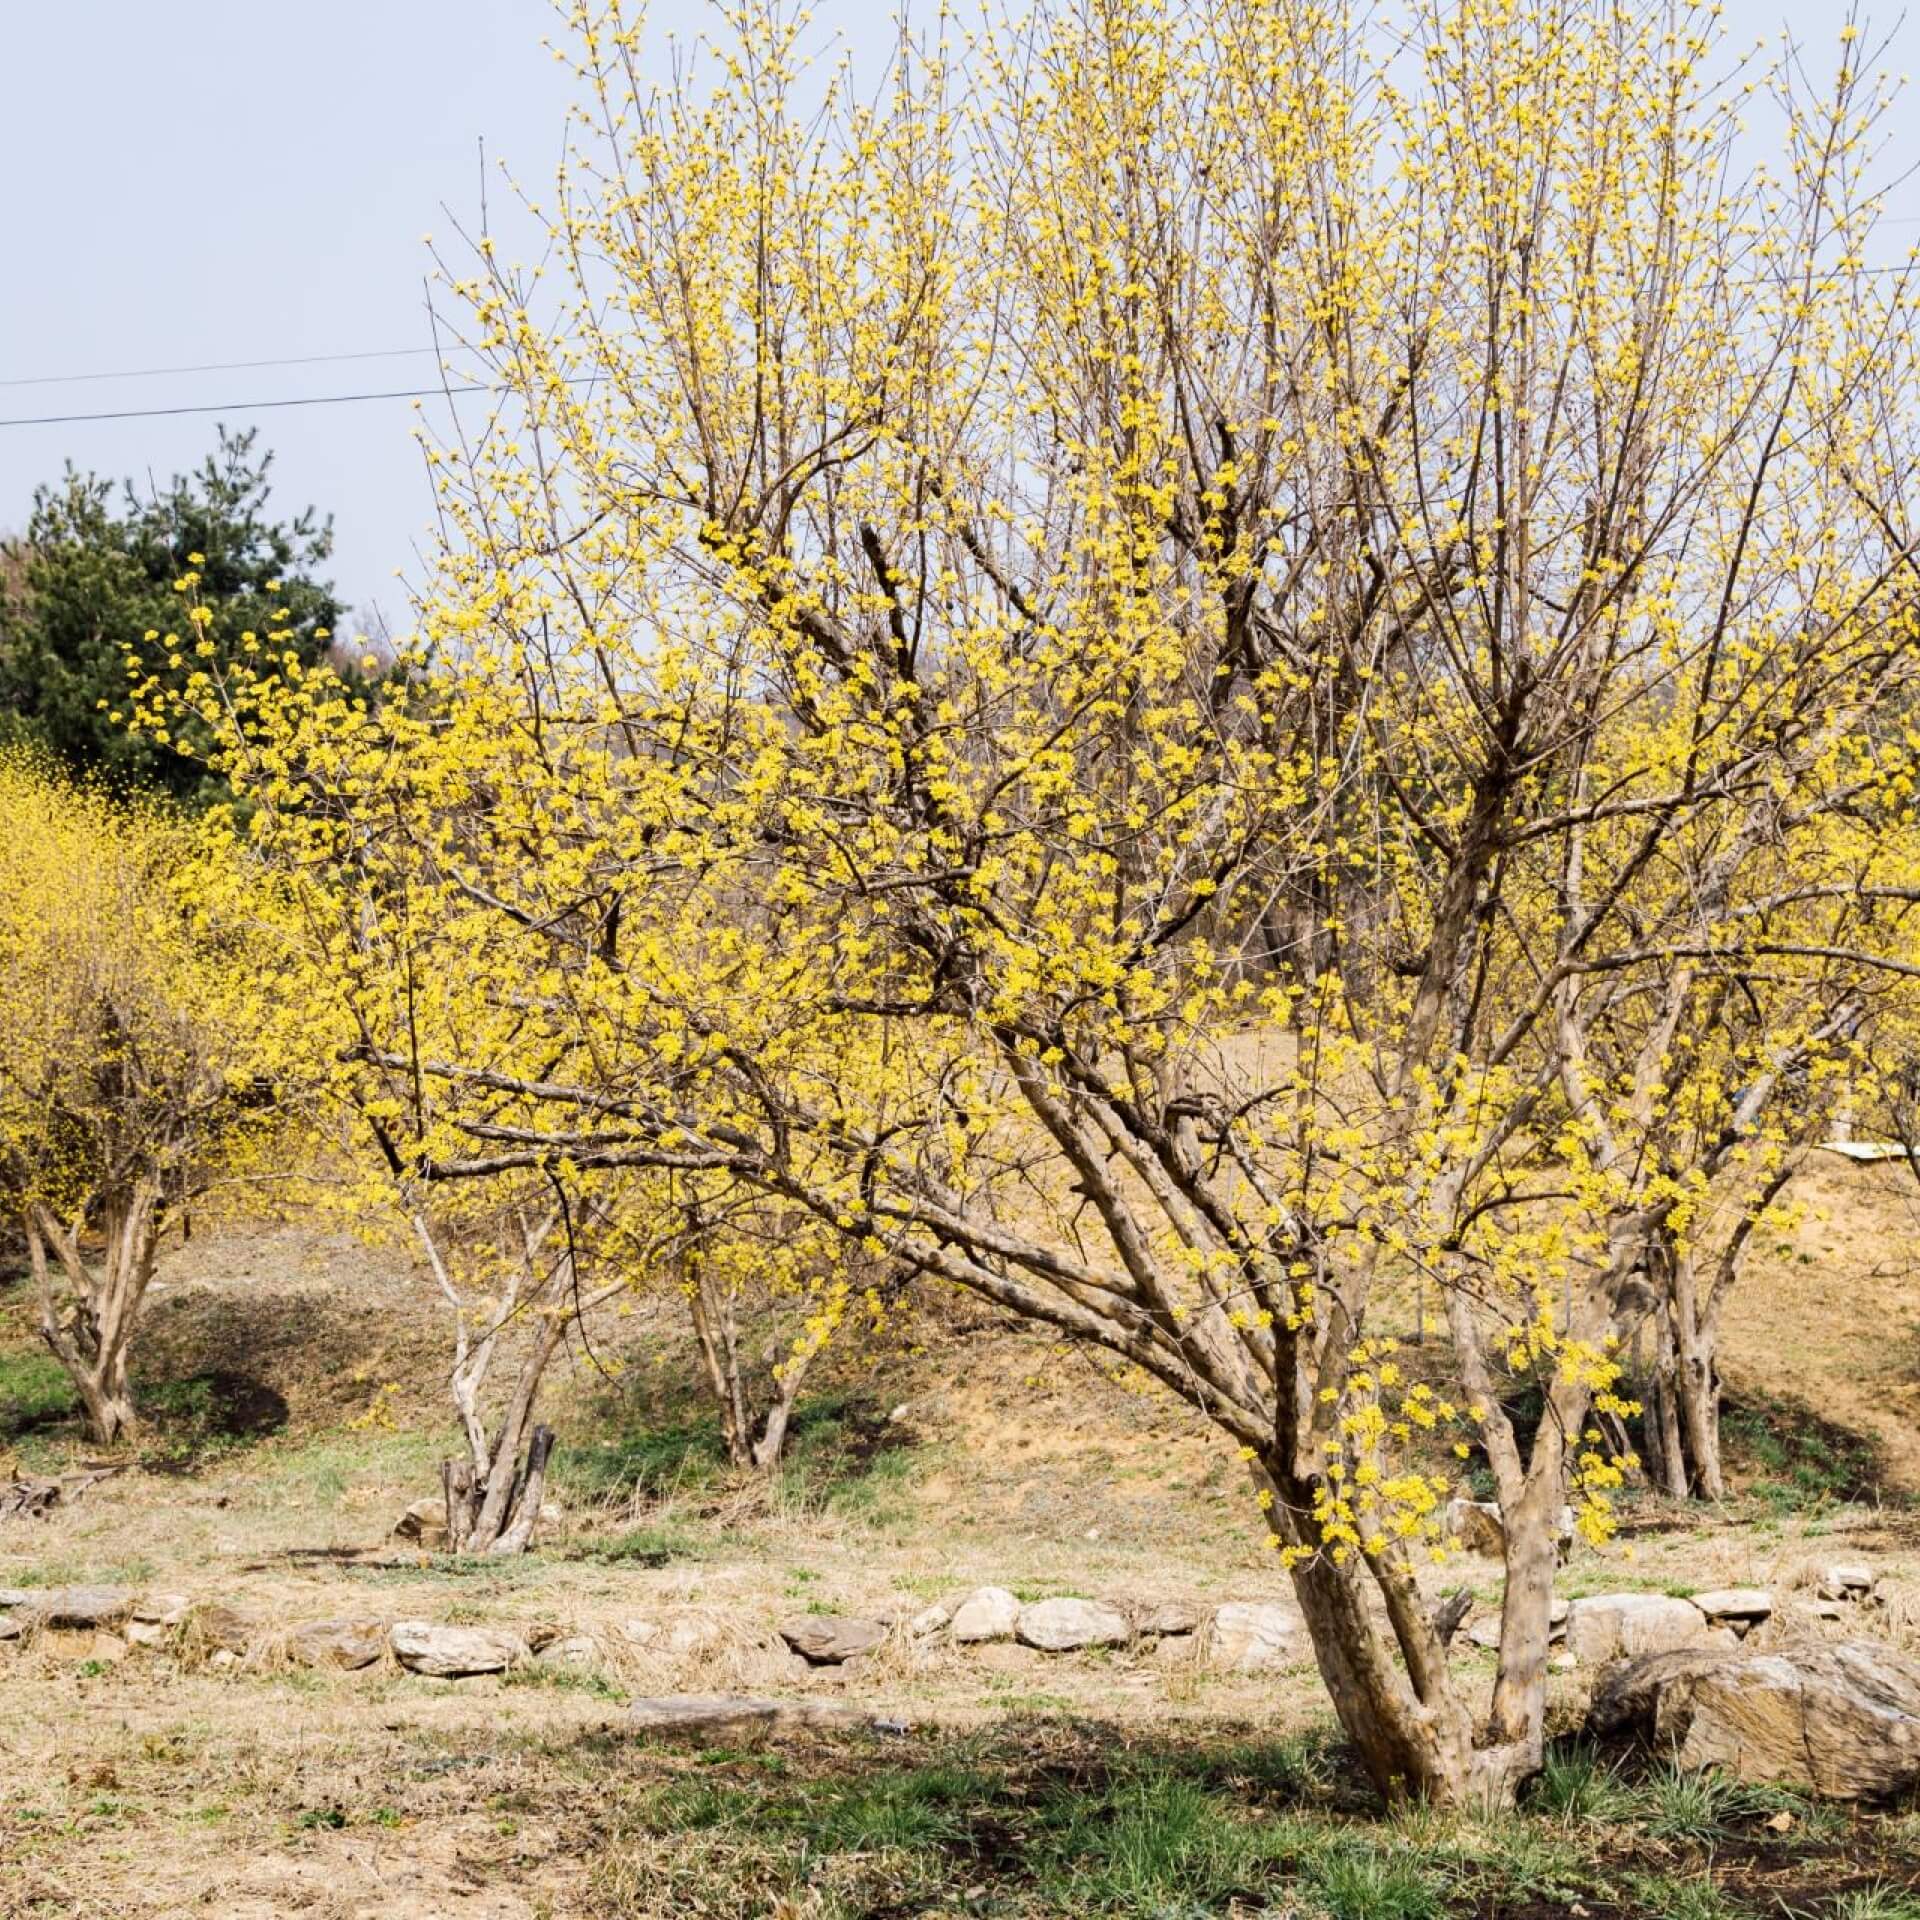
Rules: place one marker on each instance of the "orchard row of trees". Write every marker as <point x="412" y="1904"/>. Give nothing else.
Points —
<point x="1194" y="670"/>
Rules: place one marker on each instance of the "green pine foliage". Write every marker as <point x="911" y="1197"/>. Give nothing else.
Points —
<point x="94" y="574"/>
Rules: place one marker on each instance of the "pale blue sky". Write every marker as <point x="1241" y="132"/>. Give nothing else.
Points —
<point x="226" y="180"/>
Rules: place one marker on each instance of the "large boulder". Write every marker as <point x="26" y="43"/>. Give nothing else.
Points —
<point x="1061" y="1626"/>
<point x="827" y="1639"/>
<point x="1247" y="1636"/>
<point x="451" y="1653"/>
<point x="987" y="1613"/>
<point x="1614" y="1626"/>
<point x="1841" y="1720"/>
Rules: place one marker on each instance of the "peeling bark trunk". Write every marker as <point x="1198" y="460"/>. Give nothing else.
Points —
<point x="753" y="1443"/>
<point x="493" y="1495"/>
<point x="89" y="1325"/>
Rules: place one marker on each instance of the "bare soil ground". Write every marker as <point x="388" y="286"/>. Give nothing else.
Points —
<point x="295" y="1386"/>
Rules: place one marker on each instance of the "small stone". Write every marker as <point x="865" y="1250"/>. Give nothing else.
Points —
<point x="1485" y="1632"/>
<point x="108" y="1649"/>
<point x="988" y="1613"/>
<point x="453" y="1653"/>
<point x="1008" y="1656"/>
<point x="161" y="1609"/>
<point x="1170" y="1617"/>
<point x="12" y="1626"/>
<point x="1065" y="1625"/>
<point x="1172" y="1648"/>
<point x="346" y="1644"/>
<point x="687" y="1637"/>
<point x="1843" y="1580"/>
<point x="928" y="1620"/>
<point x="1477" y="1525"/>
<point x="828" y="1639"/>
<point x="1563" y="1663"/>
<point x="577" y="1650"/>
<point x="223" y="1629"/>
<point x="425" y="1521"/>
<point x="223" y="1657"/>
<point x="139" y="1633"/>
<point x="640" y="1633"/>
<point x="1247" y="1636"/>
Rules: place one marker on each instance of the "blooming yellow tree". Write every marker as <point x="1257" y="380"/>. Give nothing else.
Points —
<point x="1174" y="676"/>
<point x="125" y="1096"/>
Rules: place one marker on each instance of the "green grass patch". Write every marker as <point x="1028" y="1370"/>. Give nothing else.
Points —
<point x="34" y="1392"/>
<point x="842" y="1454"/>
<point x="1793" y="1459"/>
<point x="1071" y="1822"/>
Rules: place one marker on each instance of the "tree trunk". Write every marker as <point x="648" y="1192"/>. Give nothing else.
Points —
<point x="751" y="1444"/>
<point x="1680" y="1395"/>
<point x="1697" y="1385"/>
<point x="493" y="1502"/>
<point x="90" y="1328"/>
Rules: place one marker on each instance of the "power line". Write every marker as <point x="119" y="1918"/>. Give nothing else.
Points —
<point x="219" y="366"/>
<point x="249" y="406"/>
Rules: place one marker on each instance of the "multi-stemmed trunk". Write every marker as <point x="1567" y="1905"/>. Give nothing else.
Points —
<point x="1680" y="1394"/>
<point x="495" y="1492"/>
<point x="753" y="1441"/>
<point x="1384" y="1661"/>
<point x="89" y="1325"/>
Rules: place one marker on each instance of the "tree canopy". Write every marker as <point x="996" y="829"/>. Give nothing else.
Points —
<point x="1199" y="671"/>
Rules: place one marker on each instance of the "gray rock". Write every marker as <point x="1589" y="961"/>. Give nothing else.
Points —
<point x="1840" y="1720"/>
<point x="82" y="1606"/>
<point x="222" y="1629"/>
<point x="1064" y="1625"/>
<point x="452" y="1653"/>
<point x="827" y="1639"/>
<point x="12" y="1626"/>
<point x="1611" y="1626"/>
<point x="1170" y="1617"/>
<point x="161" y="1609"/>
<point x="1477" y="1525"/>
<point x="1749" y="1604"/>
<point x="1843" y="1580"/>
<point x="576" y="1650"/>
<point x="987" y="1613"/>
<point x="346" y="1644"/>
<point x="425" y="1521"/>
<point x="1247" y="1636"/>
<point x="929" y="1620"/>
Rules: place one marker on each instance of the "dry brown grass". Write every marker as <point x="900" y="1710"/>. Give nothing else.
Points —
<point x="167" y="1784"/>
